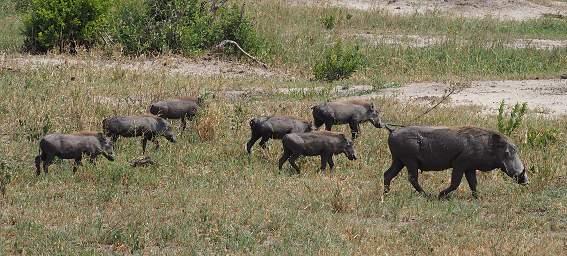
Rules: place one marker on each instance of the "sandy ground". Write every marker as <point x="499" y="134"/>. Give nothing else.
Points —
<point x="501" y="9"/>
<point x="547" y="97"/>
<point x="419" y="41"/>
<point x="543" y="96"/>
<point x="172" y="65"/>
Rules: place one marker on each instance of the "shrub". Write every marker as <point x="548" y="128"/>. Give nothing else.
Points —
<point x="516" y="117"/>
<point x="329" y="21"/>
<point x="339" y="62"/>
<point x="541" y="137"/>
<point x="180" y="26"/>
<point x="63" y="23"/>
<point x="23" y="5"/>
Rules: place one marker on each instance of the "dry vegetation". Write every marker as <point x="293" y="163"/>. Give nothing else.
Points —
<point x="205" y="195"/>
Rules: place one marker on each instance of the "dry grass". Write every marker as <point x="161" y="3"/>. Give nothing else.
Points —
<point x="205" y="195"/>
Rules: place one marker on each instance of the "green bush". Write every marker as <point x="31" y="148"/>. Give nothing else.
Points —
<point x="23" y="5"/>
<point x="63" y="23"/>
<point x="541" y="137"/>
<point x="516" y="117"/>
<point x="179" y="26"/>
<point x="338" y="62"/>
<point x="329" y="21"/>
<point x="138" y="26"/>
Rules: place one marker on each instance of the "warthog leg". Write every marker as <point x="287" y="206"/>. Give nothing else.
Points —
<point x="323" y="163"/>
<point x="286" y="154"/>
<point x="77" y="163"/>
<point x="38" y="160"/>
<point x="251" y="142"/>
<point x="331" y="164"/>
<point x="92" y="159"/>
<point x="263" y="141"/>
<point x="293" y="164"/>
<point x="47" y="160"/>
<point x="392" y="172"/>
<point x="456" y="176"/>
<point x="114" y="138"/>
<point x="183" y="123"/>
<point x="471" y="179"/>
<point x="317" y="122"/>
<point x="354" y="128"/>
<point x="144" y="142"/>
<point x="413" y="177"/>
<point x="156" y="142"/>
<point x="327" y="159"/>
<point x="328" y="126"/>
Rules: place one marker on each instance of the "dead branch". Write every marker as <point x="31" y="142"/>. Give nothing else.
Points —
<point x="448" y="92"/>
<point x="221" y="45"/>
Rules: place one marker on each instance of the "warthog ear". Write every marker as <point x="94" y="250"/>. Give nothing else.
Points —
<point x="499" y="141"/>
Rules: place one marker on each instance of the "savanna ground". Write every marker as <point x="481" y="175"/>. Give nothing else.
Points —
<point x="205" y="195"/>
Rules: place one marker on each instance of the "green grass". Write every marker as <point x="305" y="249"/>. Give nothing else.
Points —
<point x="210" y="197"/>
<point x="10" y="26"/>
<point x="295" y="38"/>
<point x="299" y="17"/>
<point x="207" y="196"/>
<point x="300" y="37"/>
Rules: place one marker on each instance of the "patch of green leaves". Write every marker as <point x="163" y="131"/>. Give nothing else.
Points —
<point x="339" y="61"/>
<point x="63" y="24"/>
<point x="508" y="125"/>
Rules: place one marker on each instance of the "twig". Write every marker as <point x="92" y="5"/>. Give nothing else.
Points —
<point x="446" y="95"/>
<point x="221" y="45"/>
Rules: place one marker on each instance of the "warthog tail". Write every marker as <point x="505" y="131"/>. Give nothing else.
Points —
<point x="105" y="126"/>
<point x="390" y="129"/>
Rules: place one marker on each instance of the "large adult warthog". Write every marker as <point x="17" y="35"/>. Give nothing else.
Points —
<point x="465" y="149"/>
<point x="349" y="112"/>
<point x="319" y="143"/>
<point x="274" y="127"/>
<point x="176" y="109"/>
<point x="72" y="146"/>
<point x="148" y="126"/>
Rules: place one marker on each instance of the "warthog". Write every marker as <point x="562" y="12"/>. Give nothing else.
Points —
<point x="147" y="126"/>
<point x="72" y="146"/>
<point x="274" y="127"/>
<point x="350" y="112"/>
<point x="465" y="149"/>
<point x="319" y="143"/>
<point x="176" y="109"/>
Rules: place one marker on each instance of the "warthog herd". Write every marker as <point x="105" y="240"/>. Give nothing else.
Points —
<point x="464" y="149"/>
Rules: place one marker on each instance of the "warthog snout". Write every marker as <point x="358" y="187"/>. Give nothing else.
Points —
<point x="349" y="150"/>
<point x="522" y="178"/>
<point x="171" y="137"/>
<point x="351" y="157"/>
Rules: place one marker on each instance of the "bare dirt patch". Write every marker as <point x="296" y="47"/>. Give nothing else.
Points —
<point x="207" y="66"/>
<point x="420" y="41"/>
<point x="500" y="9"/>
<point x="547" y="97"/>
<point x="543" y="96"/>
